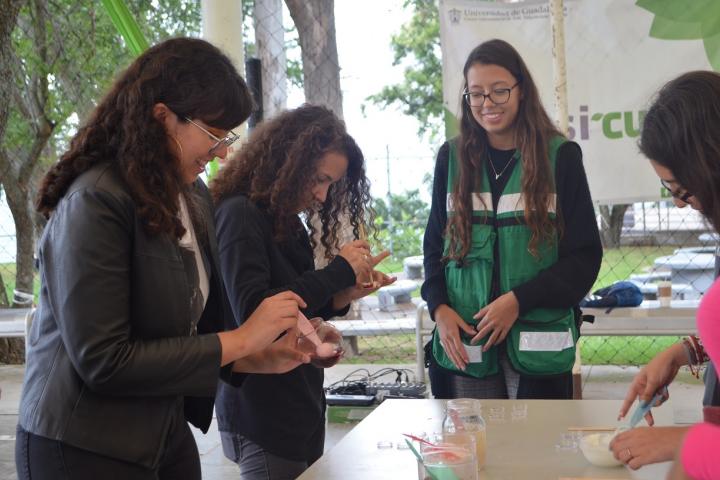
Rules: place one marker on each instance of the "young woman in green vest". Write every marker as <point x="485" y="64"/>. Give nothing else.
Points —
<point x="512" y="243"/>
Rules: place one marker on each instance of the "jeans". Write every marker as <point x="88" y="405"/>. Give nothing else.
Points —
<point x="256" y="463"/>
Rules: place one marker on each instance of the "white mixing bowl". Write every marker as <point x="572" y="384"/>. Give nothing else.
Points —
<point x="595" y="448"/>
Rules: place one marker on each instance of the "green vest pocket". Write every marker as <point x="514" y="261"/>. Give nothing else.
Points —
<point x="543" y="348"/>
<point x="481" y="363"/>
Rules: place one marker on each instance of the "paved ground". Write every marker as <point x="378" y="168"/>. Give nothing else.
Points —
<point x="598" y="383"/>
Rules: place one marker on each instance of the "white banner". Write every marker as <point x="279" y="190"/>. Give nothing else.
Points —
<point x="614" y="67"/>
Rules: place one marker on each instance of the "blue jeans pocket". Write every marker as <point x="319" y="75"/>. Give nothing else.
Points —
<point x="231" y="446"/>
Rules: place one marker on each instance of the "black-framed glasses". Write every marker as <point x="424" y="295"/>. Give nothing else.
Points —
<point x="227" y="140"/>
<point x="683" y="197"/>
<point x="498" y="96"/>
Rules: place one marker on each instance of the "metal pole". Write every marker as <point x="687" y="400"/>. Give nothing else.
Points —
<point x="253" y="69"/>
<point x="389" y="198"/>
<point x="557" y="22"/>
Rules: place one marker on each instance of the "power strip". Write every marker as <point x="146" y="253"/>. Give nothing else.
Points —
<point x="350" y="400"/>
<point x="412" y="390"/>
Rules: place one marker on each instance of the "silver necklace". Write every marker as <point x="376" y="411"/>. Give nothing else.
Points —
<point x="497" y="175"/>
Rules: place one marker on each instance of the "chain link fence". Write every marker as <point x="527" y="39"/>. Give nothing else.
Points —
<point x="656" y="242"/>
<point x="67" y="54"/>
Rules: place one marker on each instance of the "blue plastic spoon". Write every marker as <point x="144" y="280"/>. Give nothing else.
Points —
<point x="642" y="409"/>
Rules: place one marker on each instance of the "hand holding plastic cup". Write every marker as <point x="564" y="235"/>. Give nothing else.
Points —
<point x="321" y="340"/>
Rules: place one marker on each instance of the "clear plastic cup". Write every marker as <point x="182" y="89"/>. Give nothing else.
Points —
<point x="453" y="452"/>
<point x="330" y="349"/>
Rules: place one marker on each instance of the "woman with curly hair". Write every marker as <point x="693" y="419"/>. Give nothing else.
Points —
<point x="302" y="163"/>
<point x="129" y="335"/>
<point x="511" y="245"/>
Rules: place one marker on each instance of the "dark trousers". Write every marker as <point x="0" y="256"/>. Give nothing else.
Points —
<point x="40" y="458"/>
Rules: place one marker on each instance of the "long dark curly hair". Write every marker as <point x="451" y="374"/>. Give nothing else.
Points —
<point x="278" y="164"/>
<point x="533" y="131"/>
<point x="195" y="80"/>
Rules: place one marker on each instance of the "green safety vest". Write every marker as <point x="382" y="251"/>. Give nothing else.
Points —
<point x="542" y="342"/>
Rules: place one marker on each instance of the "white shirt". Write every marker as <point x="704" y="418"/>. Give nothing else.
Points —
<point x="189" y="241"/>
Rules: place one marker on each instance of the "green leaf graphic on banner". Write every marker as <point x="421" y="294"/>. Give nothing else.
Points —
<point x="687" y="20"/>
<point x="712" y="50"/>
<point x="665" y="29"/>
<point x="452" y="125"/>
<point x="711" y="25"/>
<point x="689" y="11"/>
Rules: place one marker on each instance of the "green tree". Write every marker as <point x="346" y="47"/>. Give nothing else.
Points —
<point x="63" y="56"/>
<point x="401" y="222"/>
<point x="417" y="47"/>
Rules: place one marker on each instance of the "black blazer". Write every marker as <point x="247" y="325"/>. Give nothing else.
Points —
<point x="111" y="363"/>
<point x="284" y="414"/>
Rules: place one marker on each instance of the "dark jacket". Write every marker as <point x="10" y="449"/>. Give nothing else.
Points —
<point x="111" y="363"/>
<point x="285" y="414"/>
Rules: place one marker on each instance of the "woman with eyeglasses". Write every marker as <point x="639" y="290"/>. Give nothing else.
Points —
<point x="133" y="329"/>
<point x="299" y="166"/>
<point x="511" y="245"/>
<point x="679" y="138"/>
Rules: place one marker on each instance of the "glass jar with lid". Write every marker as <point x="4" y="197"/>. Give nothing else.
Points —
<point x="464" y="415"/>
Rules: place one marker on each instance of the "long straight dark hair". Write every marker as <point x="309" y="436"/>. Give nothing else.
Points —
<point x="680" y="133"/>
<point x="533" y="131"/>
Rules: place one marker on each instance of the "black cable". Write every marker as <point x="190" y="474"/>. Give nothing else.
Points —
<point x="345" y="386"/>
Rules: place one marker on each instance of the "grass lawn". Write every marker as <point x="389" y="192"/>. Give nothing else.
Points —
<point x="620" y="263"/>
<point x="7" y="271"/>
<point x="622" y="350"/>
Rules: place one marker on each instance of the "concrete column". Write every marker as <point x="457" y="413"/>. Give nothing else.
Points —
<point x="557" y="21"/>
<point x="222" y="26"/>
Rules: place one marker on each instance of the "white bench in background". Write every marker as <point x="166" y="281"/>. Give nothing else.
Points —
<point x="395" y="320"/>
<point x="15" y="322"/>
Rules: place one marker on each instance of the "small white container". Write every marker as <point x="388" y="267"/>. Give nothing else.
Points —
<point x="596" y="449"/>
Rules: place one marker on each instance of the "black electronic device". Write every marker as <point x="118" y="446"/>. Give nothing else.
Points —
<point x="399" y="389"/>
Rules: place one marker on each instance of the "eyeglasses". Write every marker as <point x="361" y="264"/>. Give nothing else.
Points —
<point x="497" y="96"/>
<point x="684" y="197"/>
<point x="227" y="140"/>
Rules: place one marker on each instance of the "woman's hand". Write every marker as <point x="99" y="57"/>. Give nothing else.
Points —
<point x="652" y="377"/>
<point x="281" y="356"/>
<point x="449" y="324"/>
<point x="344" y="297"/>
<point x="357" y="254"/>
<point x="270" y="319"/>
<point x="644" y="445"/>
<point x="496" y="317"/>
